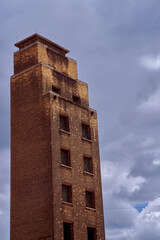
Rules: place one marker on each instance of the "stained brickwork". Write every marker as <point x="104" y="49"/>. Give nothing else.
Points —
<point x="37" y="175"/>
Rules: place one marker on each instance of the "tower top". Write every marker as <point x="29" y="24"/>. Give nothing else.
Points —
<point x="38" y="38"/>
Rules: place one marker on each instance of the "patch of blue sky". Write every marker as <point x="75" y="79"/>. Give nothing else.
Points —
<point x="140" y="206"/>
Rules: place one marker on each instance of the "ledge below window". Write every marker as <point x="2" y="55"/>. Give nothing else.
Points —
<point x="86" y="139"/>
<point x="67" y="203"/>
<point x="61" y="130"/>
<point x="93" y="209"/>
<point x="65" y="166"/>
<point x="88" y="173"/>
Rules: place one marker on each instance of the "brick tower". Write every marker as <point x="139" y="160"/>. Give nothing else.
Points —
<point x="55" y="168"/>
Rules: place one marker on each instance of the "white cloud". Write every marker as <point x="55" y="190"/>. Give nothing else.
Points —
<point x="156" y="162"/>
<point x="128" y="169"/>
<point x="122" y="179"/>
<point x="151" y="212"/>
<point x="152" y="104"/>
<point x="147" y="223"/>
<point x="151" y="62"/>
<point x="119" y="163"/>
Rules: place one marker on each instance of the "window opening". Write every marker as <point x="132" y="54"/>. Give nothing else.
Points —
<point x="88" y="166"/>
<point x="67" y="193"/>
<point x="55" y="89"/>
<point x="91" y="233"/>
<point x="76" y="99"/>
<point x="90" y="201"/>
<point x="65" y="157"/>
<point x="64" y="123"/>
<point x="68" y="231"/>
<point x="86" y="131"/>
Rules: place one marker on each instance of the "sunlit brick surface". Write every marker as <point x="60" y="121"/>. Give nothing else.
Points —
<point x="37" y="175"/>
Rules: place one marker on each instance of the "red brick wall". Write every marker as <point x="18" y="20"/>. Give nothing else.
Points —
<point x="37" y="210"/>
<point x="31" y="166"/>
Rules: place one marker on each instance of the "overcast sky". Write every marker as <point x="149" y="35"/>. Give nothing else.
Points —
<point x="117" y="46"/>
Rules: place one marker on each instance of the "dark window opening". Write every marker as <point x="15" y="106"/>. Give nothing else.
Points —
<point x="64" y="123"/>
<point x="91" y="233"/>
<point x="76" y="99"/>
<point x="68" y="231"/>
<point x="55" y="89"/>
<point x="88" y="166"/>
<point x="90" y="201"/>
<point x="67" y="193"/>
<point x="65" y="157"/>
<point x="86" y="131"/>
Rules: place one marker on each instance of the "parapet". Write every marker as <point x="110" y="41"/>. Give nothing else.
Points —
<point x="38" y="38"/>
<point x="39" y="50"/>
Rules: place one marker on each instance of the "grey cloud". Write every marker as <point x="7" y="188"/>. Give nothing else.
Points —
<point x="4" y="193"/>
<point x="137" y="163"/>
<point x="4" y="169"/>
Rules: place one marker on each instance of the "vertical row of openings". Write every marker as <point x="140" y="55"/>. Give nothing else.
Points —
<point x="90" y="199"/>
<point x="64" y="123"/>
<point x="86" y="131"/>
<point x="76" y="99"/>
<point x="65" y="157"/>
<point x="92" y="235"/>
<point x="88" y="165"/>
<point x="68" y="231"/>
<point x="67" y="193"/>
<point x="55" y="89"/>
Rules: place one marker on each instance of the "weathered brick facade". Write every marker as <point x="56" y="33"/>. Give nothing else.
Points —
<point x="37" y="208"/>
